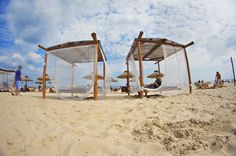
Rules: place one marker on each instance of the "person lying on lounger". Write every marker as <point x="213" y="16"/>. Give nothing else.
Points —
<point x="155" y="84"/>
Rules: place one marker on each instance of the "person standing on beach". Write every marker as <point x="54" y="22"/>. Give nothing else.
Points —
<point x="218" y="79"/>
<point x="17" y="82"/>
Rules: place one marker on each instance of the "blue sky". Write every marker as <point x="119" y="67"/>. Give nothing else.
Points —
<point x="210" y="24"/>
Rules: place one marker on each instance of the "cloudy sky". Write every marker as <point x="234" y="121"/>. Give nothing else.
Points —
<point x="211" y="24"/>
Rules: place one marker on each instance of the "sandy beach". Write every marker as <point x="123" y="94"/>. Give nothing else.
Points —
<point x="202" y="123"/>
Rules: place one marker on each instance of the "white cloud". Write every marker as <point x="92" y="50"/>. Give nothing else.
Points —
<point x="33" y="57"/>
<point x="209" y="23"/>
<point x="3" y="59"/>
<point x="17" y="58"/>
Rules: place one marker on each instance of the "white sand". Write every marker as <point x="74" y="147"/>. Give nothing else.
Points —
<point x="203" y="123"/>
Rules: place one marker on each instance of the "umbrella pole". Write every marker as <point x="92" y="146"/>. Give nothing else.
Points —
<point x="7" y="80"/>
<point x="158" y="66"/>
<point x="72" y="80"/>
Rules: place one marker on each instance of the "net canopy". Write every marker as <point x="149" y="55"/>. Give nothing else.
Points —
<point x="6" y="79"/>
<point x="172" y="66"/>
<point x="72" y="69"/>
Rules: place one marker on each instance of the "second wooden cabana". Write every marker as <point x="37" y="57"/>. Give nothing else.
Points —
<point x="172" y="56"/>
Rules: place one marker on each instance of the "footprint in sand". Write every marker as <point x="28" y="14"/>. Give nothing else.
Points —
<point x="220" y="142"/>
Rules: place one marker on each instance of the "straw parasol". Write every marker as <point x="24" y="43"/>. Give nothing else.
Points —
<point x="39" y="82"/>
<point x="113" y="80"/>
<point x="90" y="77"/>
<point x="26" y="79"/>
<point x="155" y="74"/>
<point x="41" y="78"/>
<point x="124" y="75"/>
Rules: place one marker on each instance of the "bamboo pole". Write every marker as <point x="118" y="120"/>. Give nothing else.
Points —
<point x="95" y="86"/>
<point x="233" y="70"/>
<point x="44" y="74"/>
<point x="188" y="70"/>
<point x="128" y="91"/>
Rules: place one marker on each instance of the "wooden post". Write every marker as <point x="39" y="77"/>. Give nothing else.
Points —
<point x="44" y="74"/>
<point x="140" y="67"/>
<point x="95" y="85"/>
<point x="128" y="91"/>
<point x="140" y="61"/>
<point x="188" y="70"/>
<point x="104" y="77"/>
<point x="44" y="70"/>
<point x="233" y="69"/>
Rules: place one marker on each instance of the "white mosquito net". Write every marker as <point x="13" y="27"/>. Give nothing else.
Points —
<point x="72" y="71"/>
<point x="172" y="65"/>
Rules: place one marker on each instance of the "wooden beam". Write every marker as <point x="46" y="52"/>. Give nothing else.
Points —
<point x="189" y="44"/>
<point x="140" y="35"/>
<point x="153" y="40"/>
<point x="157" y="59"/>
<point x="44" y="74"/>
<point x="188" y="70"/>
<point x="162" y="41"/>
<point x="95" y="85"/>
<point x="71" y="44"/>
<point x="42" y="47"/>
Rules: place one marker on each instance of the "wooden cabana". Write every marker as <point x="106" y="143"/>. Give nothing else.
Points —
<point x="6" y="76"/>
<point x="59" y="51"/>
<point x="150" y="49"/>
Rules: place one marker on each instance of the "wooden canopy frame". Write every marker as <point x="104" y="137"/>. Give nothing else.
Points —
<point x="156" y="43"/>
<point x="6" y="71"/>
<point x="98" y="56"/>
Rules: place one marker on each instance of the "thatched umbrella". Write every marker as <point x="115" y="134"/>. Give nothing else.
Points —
<point x="113" y="80"/>
<point x="47" y="78"/>
<point x="26" y="79"/>
<point x="90" y="77"/>
<point x="155" y="74"/>
<point x="39" y="82"/>
<point x="124" y="75"/>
